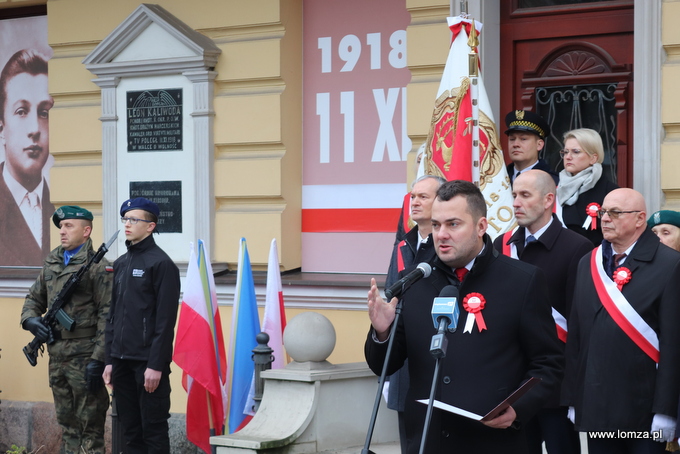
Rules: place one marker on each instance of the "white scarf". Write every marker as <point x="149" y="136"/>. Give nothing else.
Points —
<point x="571" y="186"/>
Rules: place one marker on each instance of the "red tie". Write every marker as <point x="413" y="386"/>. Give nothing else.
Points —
<point x="460" y="273"/>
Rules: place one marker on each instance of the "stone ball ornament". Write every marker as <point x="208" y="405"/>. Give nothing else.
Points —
<point x="309" y="336"/>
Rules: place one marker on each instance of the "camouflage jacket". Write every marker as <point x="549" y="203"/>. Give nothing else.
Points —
<point x="89" y="306"/>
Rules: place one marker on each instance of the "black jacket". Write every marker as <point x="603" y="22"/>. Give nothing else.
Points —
<point x="610" y="381"/>
<point x="557" y="252"/>
<point x="144" y="303"/>
<point x="575" y="215"/>
<point x="480" y="369"/>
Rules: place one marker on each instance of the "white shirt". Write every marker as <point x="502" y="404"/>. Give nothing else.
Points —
<point x="517" y="172"/>
<point x="539" y="232"/>
<point x="29" y="203"/>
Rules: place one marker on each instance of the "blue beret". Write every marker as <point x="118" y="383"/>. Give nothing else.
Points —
<point x="140" y="203"/>
<point x="664" y="217"/>
<point x="70" y="212"/>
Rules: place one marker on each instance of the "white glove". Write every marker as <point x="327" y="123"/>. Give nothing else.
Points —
<point x="663" y="428"/>
<point x="571" y="414"/>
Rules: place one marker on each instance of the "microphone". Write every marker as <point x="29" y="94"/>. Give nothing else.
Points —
<point x="445" y="308"/>
<point x="422" y="270"/>
<point x="444" y="315"/>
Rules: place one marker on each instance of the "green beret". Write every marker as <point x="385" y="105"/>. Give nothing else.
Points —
<point x="664" y="217"/>
<point x="70" y="212"/>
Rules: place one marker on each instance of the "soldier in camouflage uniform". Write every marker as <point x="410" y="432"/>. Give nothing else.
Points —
<point x="76" y="357"/>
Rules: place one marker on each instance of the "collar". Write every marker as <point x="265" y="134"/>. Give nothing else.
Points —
<point x="17" y="190"/>
<point x="540" y="231"/>
<point x="517" y="172"/>
<point x="68" y="255"/>
<point x="143" y="245"/>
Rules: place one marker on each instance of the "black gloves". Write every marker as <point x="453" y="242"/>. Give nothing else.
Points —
<point x="93" y="375"/>
<point x="36" y="326"/>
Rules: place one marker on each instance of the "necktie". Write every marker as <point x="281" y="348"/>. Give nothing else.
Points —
<point x="531" y="239"/>
<point x="460" y="273"/>
<point x="618" y="258"/>
<point x="615" y="261"/>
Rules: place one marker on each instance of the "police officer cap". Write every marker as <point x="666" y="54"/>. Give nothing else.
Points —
<point x="526" y="121"/>
<point x="140" y="203"/>
<point x="70" y="212"/>
<point x="664" y="217"/>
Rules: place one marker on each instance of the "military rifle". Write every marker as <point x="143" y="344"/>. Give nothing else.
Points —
<point x="56" y="310"/>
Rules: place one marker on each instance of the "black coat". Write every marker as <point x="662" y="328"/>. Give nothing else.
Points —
<point x="411" y="256"/>
<point x="610" y="381"/>
<point x="541" y="165"/>
<point x="557" y="253"/>
<point x="480" y="369"/>
<point x="575" y="215"/>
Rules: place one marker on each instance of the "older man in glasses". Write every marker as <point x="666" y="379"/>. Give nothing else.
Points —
<point x="623" y="351"/>
<point x="140" y="331"/>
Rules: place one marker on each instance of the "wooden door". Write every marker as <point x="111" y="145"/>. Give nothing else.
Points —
<point x="572" y="62"/>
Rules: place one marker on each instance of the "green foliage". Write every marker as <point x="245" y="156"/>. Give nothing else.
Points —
<point x="16" y="450"/>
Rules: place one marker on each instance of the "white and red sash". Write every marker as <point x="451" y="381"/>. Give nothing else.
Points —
<point x="561" y="324"/>
<point x="621" y="311"/>
<point x="511" y="251"/>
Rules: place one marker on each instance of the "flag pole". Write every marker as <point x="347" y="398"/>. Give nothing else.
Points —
<point x="211" y="423"/>
<point x="473" y="71"/>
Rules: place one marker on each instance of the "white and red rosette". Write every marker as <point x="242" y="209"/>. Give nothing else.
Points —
<point x="474" y="303"/>
<point x="591" y="220"/>
<point x="622" y="276"/>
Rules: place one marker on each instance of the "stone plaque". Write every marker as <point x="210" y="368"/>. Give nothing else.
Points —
<point x="154" y="120"/>
<point x="168" y="196"/>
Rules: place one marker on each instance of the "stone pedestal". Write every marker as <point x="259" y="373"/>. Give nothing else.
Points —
<point x="312" y="407"/>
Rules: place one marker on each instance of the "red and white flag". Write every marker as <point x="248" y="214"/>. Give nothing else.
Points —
<point x="274" y="311"/>
<point x="449" y="142"/>
<point x="200" y="352"/>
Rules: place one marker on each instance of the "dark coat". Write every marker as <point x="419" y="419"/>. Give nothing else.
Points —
<point x="541" y="165"/>
<point x="610" y="381"/>
<point x="557" y="253"/>
<point x="411" y="256"/>
<point x="480" y="369"/>
<point x="17" y="244"/>
<point x="575" y="215"/>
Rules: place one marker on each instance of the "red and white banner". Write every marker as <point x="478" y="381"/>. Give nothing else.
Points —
<point x="449" y="142"/>
<point x="621" y="311"/>
<point x="355" y="140"/>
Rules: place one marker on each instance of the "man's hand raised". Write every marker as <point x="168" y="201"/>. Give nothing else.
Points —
<point x="382" y="314"/>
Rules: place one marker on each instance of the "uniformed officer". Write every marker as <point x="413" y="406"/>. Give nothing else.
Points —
<point x="527" y="132"/>
<point x="76" y="357"/>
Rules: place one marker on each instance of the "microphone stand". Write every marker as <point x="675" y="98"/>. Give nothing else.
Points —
<point x="381" y="382"/>
<point x="438" y="346"/>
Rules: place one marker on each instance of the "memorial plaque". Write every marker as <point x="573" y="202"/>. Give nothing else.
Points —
<point x="168" y="196"/>
<point x="154" y="120"/>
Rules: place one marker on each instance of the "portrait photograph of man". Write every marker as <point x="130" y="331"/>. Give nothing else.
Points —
<point x="25" y="158"/>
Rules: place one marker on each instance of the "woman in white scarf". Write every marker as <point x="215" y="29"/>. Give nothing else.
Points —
<point x="582" y="187"/>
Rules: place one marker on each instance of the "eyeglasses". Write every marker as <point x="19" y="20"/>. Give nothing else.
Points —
<point x="575" y="151"/>
<point x="614" y="214"/>
<point x="133" y="221"/>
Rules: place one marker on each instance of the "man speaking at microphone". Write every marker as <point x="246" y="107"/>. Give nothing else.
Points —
<point x="505" y="334"/>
